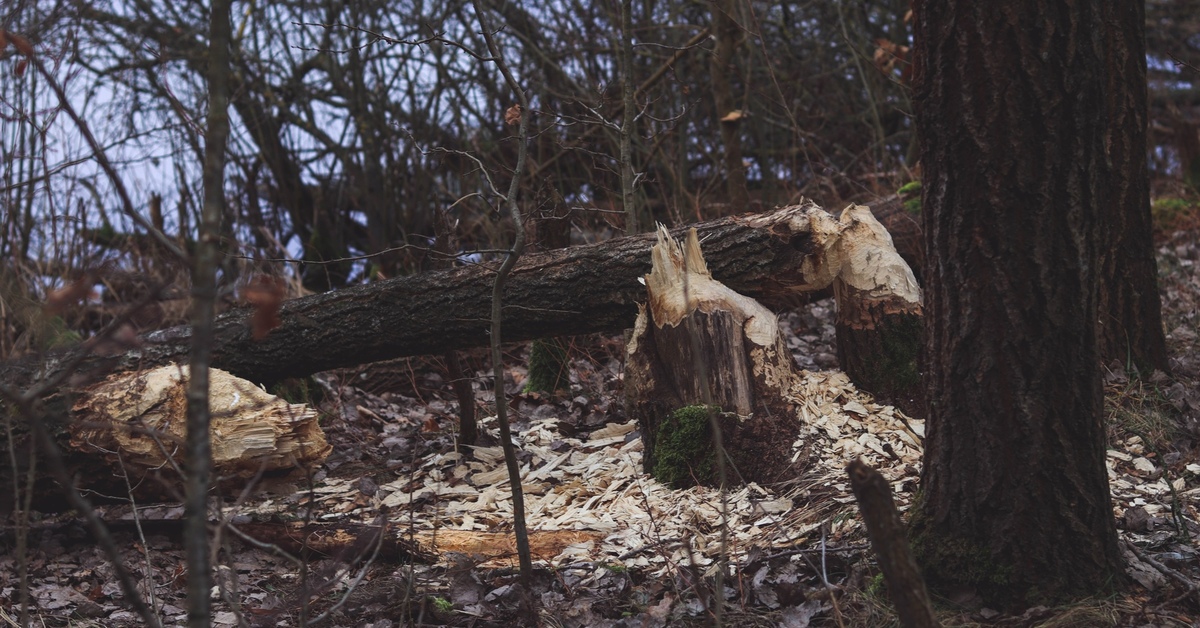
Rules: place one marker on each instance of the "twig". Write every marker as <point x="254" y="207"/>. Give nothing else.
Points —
<point x="198" y="449"/>
<point x="161" y="238"/>
<point x="1190" y="586"/>
<point x="510" y="456"/>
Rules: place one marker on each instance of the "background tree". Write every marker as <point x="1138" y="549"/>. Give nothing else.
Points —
<point x="1130" y="322"/>
<point x="1014" y="121"/>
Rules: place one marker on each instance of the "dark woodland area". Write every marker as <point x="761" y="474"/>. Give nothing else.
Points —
<point x="726" y="313"/>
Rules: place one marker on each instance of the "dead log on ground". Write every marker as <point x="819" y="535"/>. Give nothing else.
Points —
<point x="577" y="290"/>
<point x="571" y="291"/>
<point x="131" y="427"/>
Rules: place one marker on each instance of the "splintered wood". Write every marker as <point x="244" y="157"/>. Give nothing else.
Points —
<point x="137" y="421"/>
<point x="697" y="341"/>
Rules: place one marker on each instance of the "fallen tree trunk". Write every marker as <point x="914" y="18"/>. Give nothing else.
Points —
<point x="583" y="289"/>
<point x="578" y="290"/>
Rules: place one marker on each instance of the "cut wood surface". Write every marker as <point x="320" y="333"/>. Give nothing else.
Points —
<point x="135" y="422"/>
<point x="697" y="342"/>
<point x="879" y="309"/>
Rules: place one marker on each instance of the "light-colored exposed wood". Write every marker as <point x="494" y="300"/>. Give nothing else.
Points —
<point x="136" y="421"/>
<point x="697" y="341"/>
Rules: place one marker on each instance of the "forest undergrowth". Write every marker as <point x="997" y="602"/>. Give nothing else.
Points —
<point x="393" y="426"/>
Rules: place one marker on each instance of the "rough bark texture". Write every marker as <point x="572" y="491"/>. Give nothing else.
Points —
<point x="1131" y="329"/>
<point x="727" y="33"/>
<point x="904" y="582"/>
<point x="582" y="289"/>
<point x="879" y="346"/>
<point x="1012" y="111"/>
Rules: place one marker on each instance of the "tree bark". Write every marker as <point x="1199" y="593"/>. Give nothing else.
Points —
<point x="198" y="460"/>
<point x="1131" y="328"/>
<point x="726" y="32"/>
<point x="1013" y="113"/>
<point x="878" y="331"/>
<point x="579" y="290"/>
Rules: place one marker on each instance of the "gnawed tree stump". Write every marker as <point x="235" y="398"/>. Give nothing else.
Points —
<point x="879" y="309"/>
<point x="697" y="342"/>
<point x="134" y="423"/>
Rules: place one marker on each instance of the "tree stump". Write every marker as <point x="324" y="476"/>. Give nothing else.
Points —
<point x="698" y="343"/>
<point x="879" y="310"/>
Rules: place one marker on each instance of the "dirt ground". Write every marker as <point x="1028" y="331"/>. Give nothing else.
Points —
<point x="613" y="548"/>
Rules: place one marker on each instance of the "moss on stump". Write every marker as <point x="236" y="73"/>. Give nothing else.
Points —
<point x="684" y="455"/>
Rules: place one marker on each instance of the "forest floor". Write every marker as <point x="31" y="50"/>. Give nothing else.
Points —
<point x="612" y="546"/>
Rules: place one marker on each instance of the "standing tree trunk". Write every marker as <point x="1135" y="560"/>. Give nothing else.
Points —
<point x="727" y="32"/>
<point x="1131" y="329"/>
<point x="1012" y="111"/>
<point x="633" y="222"/>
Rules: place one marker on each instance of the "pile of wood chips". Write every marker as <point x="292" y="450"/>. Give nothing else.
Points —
<point x="588" y="501"/>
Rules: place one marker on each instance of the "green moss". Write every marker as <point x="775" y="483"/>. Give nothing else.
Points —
<point x="965" y="562"/>
<point x="58" y="336"/>
<point x="1170" y="214"/>
<point x="895" y="368"/>
<point x="547" y="366"/>
<point x="910" y="195"/>
<point x="876" y="586"/>
<point x="957" y="562"/>
<point x="683" y="452"/>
